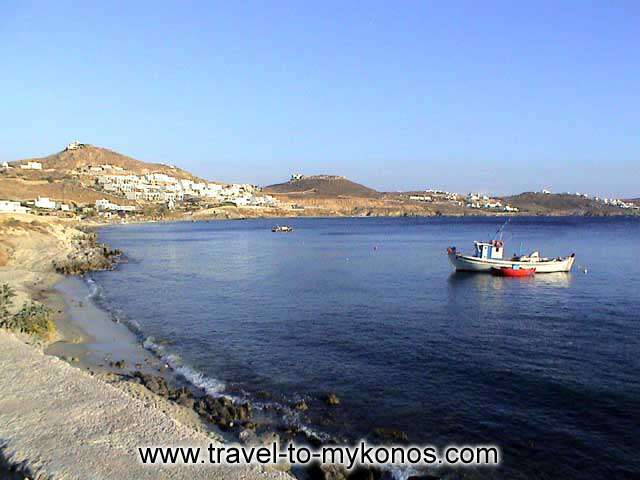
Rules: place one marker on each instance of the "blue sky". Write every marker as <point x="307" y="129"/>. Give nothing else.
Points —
<point x="489" y="96"/>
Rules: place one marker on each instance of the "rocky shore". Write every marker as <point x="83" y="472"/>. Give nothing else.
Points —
<point x="60" y="418"/>
<point x="60" y="421"/>
<point x="87" y="255"/>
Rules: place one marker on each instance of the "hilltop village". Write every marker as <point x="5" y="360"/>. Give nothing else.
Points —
<point x="125" y="192"/>
<point x="88" y="182"/>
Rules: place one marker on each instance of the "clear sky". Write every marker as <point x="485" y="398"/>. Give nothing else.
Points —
<point x="463" y="95"/>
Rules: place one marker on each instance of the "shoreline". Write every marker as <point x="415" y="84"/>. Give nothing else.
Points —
<point x="107" y="347"/>
<point x="48" y="402"/>
<point x="81" y="342"/>
<point x="81" y="356"/>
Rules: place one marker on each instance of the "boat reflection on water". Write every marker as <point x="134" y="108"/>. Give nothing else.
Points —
<point x="465" y="283"/>
<point x="484" y="294"/>
<point x="559" y="279"/>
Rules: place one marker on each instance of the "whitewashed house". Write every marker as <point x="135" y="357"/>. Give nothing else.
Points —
<point x="31" y="166"/>
<point x="46" y="203"/>
<point x="104" y="204"/>
<point x="7" y="206"/>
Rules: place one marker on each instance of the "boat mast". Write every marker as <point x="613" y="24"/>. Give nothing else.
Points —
<point x="500" y="230"/>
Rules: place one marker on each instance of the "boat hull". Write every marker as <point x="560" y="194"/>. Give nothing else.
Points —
<point x="513" y="272"/>
<point x="466" y="263"/>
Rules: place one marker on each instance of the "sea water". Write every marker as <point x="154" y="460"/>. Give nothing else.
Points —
<point x="547" y="368"/>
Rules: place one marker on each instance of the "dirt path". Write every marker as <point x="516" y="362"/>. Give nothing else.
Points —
<point x="64" y="423"/>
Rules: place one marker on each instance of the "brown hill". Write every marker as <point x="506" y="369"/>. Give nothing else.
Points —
<point x="324" y="186"/>
<point x="63" y="191"/>
<point x="88" y="155"/>
<point x="561" y="204"/>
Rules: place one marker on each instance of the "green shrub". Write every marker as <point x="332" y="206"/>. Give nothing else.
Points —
<point x="32" y="318"/>
<point x="6" y="302"/>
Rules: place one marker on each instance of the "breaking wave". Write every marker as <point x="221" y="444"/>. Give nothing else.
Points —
<point x="95" y="290"/>
<point x="210" y="385"/>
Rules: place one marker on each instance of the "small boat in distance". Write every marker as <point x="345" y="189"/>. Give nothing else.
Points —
<point x="514" y="271"/>
<point x="282" y="229"/>
<point x="489" y="255"/>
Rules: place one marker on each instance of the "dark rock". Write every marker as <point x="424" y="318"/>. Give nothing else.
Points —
<point x="332" y="399"/>
<point x="87" y="256"/>
<point x="391" y="434"/>
<point x="119" y="364"/>
<point x="302" y="406"/>
<point x="183" y="396"/>
<point x="424" y="477"/>
<point x="248" y="437"/>
<point x="318" y="471"/>
<point x="155" y="383"/>
<point x="223" y="411"/>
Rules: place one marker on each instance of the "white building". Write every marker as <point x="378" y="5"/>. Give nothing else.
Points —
<point x="44" y="202"/>
<point x="74" y="146"/>
<point x="421" y="198"/>
<point x="297" y="176"/>
<point x="104" y="204"/>
<point x="7" y="206"/>
<point x="31" y="166"/>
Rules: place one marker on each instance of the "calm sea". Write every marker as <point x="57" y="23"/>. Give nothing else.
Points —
<point x="548" y="368"/>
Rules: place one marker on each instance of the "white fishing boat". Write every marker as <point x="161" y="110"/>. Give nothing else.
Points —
<point x="282" y="229"/>
<point x="488" y="255"/>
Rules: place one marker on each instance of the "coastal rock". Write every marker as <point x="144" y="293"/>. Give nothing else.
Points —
<point x="268" y="438"/>
<point x="87" y="255"/>
<point x="119" y="364"/>
<point x="332" y="399"/>
<point x="156" y="384"/>
<point x="183" y="396"/>
<point x="248" y="437"/>
<point x="223" y="411"/>
<point x="391" y="434"/>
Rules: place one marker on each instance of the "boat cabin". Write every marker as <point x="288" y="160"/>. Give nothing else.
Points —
<point x="492" y="250"/>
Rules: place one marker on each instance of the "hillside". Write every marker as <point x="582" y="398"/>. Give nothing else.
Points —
<point x="561" y="204"/>
<point x="88" y="155"/>
<point x="66" y="177"/>
<point x="61" y="191"/>
<point x="323" y="186"/>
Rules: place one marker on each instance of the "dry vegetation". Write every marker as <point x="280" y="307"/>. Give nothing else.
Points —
<point x="64" y="191"/>
<point x="562" y="204"/>
<point x="69" y="160"/>
<point x="324" y="186"/>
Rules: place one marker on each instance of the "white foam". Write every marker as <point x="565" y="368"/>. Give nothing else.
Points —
<point x="210" y="385"/>
<point x="94" y="288"/>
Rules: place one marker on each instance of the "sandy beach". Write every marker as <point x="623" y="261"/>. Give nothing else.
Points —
<point x="63" y="417"/>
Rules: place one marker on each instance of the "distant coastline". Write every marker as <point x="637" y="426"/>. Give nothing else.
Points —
<point x="97" y="185"/>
